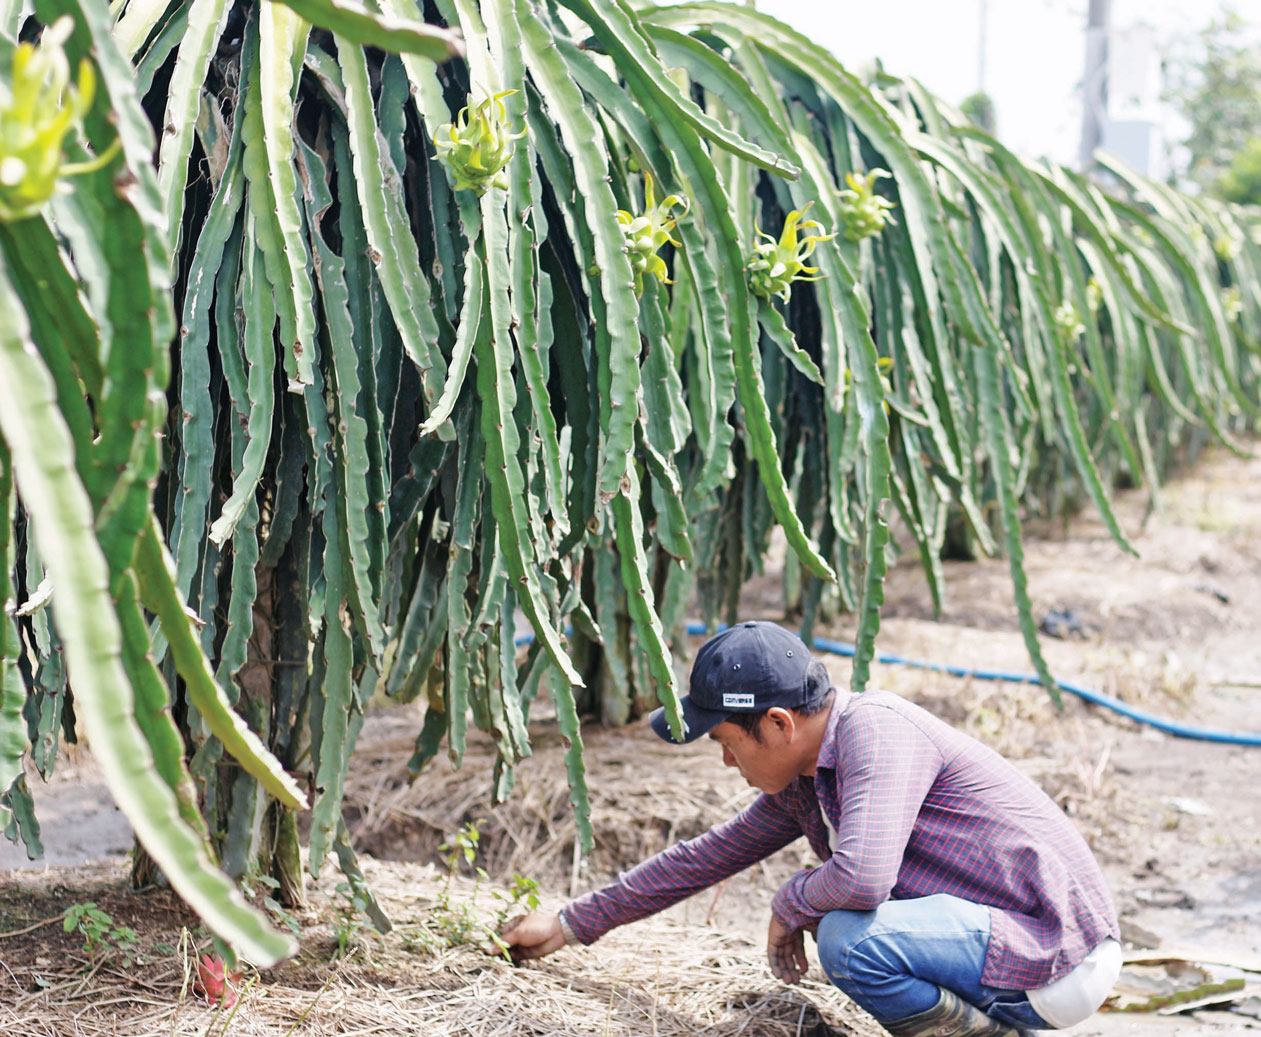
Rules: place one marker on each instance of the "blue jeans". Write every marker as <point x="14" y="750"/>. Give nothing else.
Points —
<point x="891" y="961"/>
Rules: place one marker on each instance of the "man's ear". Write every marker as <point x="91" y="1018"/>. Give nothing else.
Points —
<point x="779" y="722"/>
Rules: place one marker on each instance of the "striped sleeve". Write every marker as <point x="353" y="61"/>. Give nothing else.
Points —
<point x="766" y="825"/>
<point x="884" y="770"/>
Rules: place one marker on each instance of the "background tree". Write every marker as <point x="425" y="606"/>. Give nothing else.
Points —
<point x="979" y="107"/>
<point x="1215" y="83"/>
<point x="1241" y="183"/>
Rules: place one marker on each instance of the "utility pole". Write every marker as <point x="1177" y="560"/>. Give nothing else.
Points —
<point x="982" y="46"/>
<point x="1094" y="102"/>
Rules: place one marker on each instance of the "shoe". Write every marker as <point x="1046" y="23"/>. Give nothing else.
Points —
<point x="952" y="1017"/>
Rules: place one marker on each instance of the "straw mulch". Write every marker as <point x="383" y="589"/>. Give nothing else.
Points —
<point x="655" y="977"/>
<point x="644" y="793"/>
<point x="662" y="976"/>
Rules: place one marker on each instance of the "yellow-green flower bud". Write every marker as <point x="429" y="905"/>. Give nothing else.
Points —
<point x="39" y="108"/>
<point x="1226" y="246"/>
<point x="1232" y="303"/>
<point x="648" y="233"/>
<point x="775" y="265"/>
<point x="1198" y="238"/>
<point x="478" y="145"/>
<point x="1094" y="294"/>
<point x="864" y="212"/>
<point x="1068" y="321"/>
<point x="884" y="365"/>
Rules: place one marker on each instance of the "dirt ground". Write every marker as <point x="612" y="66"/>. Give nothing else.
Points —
<point x="1174" y="821"/>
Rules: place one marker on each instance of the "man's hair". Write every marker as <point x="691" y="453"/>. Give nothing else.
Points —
<point x="820" y="698"/>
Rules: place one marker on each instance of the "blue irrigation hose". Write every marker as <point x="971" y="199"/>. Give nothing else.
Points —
<point x="1205" y="734"/>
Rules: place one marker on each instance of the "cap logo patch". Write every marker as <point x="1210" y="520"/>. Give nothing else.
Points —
<point x="738" y="701"/>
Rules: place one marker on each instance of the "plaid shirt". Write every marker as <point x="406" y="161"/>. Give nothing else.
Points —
<point x="917" y="808"/>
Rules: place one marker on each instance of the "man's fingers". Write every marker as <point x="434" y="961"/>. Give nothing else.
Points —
<point x="784" y="964"/>
<point x="509" y="930"/>
<point x="772" y="956"/>
<point x="533" y="935"/>
<point x="786" y="973"/>
<point x="799" y="952"/>
<point x="786" y="952"/>
<point x="538" y="950"/>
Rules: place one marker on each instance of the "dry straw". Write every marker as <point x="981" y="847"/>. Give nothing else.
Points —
<point x="645" y="794"/>
<point x="656" y="978"/>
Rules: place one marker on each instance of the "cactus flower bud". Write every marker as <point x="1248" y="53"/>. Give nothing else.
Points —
<point x="1068" y="321"/>
<point x="477" y="146"/>
<point x="1094" y="294"/>
<point x="884" y="365"/>
<point x="1226" y="246"/>
<point x="647" y="233"/>
<point x="775" y="265"/>
<point x="1232" y="303"/>
<point x="865" y="213"/>
<point x="39" y="107"/>
<point x="1198" y="238"/>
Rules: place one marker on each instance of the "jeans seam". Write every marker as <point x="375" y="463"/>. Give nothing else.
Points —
<point x="906" y="932"/>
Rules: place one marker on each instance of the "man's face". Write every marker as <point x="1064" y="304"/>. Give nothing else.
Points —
<point x="765" y="765"/>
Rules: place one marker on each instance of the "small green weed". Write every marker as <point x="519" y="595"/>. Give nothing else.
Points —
<point x="102" y="939"/>
<point x="348" y="913"/>
<point x="259" y="887"/>
<point x="458" y="922"/>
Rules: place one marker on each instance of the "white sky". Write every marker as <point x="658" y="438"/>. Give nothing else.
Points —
<point x="1035" y="51"/>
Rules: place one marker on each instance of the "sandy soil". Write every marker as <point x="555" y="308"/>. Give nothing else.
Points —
<point x="1174" y="821"/>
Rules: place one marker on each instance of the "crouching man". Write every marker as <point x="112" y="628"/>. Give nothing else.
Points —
<point x="954" y="898"/>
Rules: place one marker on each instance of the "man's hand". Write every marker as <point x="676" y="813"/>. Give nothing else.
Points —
<point x="786" y="952"/>
<point x="533" y="935"/>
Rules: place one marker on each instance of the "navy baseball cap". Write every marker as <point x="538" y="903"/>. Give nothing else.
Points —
<point x="748" y="668"/>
